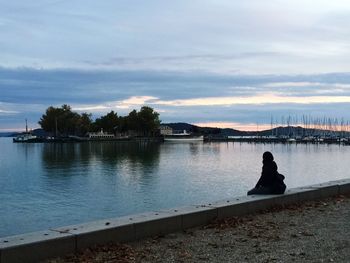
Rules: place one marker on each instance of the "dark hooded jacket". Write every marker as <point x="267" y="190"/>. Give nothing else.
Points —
<point x="269" y="175"/>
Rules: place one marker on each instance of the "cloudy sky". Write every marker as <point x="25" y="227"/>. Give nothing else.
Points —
<point x="222" y="63"/>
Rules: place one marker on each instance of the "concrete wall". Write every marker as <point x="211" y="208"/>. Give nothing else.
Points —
<point x="37" y="246"/>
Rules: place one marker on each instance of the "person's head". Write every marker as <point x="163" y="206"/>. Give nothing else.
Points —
<point x="267" y="157"/>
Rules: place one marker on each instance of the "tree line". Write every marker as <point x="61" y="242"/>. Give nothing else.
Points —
<point x="63" y="121"/>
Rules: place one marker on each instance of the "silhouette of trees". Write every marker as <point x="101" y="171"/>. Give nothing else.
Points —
<point x="148" y="120"/>
<point x="63" y="121"/>
<point x="108" y="122"/>
<point x="145" y="122"/>
<point x="84" y="123"/>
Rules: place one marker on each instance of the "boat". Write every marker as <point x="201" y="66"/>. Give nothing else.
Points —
<point x="26" y="136"/>
<point x="183" y="137"/>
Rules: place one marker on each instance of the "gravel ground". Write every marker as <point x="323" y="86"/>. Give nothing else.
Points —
<point x="316" y="231"/>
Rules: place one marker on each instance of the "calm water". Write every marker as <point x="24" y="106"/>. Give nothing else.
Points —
<point x="50" y="185"/>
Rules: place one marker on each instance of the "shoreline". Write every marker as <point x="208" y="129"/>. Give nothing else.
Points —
<point x="85" y="140"/>
<point x="37" y="246"/>
<point x="205" y="140"/>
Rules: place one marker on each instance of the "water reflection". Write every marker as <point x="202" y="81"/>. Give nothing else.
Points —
<point x="194" y="148"/>
<point x="25" y="151"/>
<point x="66" y="159"/>
<point x="61" y="155"/>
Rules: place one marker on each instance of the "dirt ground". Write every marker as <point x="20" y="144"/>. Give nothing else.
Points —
<point x="317" y="231"/>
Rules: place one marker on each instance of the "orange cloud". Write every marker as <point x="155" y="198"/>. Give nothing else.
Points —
<point x="268" y="98"/>
<point x="260" y="99"/>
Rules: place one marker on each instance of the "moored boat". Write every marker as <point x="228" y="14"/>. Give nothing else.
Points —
<point x="26" y="136"/>
<point x="183" y="137"/>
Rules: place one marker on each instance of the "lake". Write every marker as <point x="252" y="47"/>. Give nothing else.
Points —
<point x="49" y="185"/>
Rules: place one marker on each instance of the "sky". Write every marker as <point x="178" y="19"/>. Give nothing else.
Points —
<point x="217" y="63"/>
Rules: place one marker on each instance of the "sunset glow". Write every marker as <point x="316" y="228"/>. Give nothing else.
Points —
<point x="235" y="125"/>
<point x="138" y="101"/>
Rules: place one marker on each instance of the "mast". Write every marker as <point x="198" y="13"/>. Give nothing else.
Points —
<point x="56" y="127"/>
<point x="271" y="125"/>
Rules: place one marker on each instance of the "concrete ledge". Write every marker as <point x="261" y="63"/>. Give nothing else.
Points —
<point x="233" y="207"/>
<point x="157" y="223"/>
<point x="196" y="215"/>
<point x="344" y="186"/>
<point x="37" y="246"/>
<point x="317" y="191"/>
<point x="291" y="196"/>
<point x="101" y="232"/>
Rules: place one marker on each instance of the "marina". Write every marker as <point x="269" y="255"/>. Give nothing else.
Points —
<point x="283" y="140"/>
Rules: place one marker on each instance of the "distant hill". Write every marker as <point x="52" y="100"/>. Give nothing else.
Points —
<point x="8" y="134"/>
<point x="299" y="131"/>
<point x="38" y="132"/>
<point x="181" y="126"/>
<point x="278" y="131"/>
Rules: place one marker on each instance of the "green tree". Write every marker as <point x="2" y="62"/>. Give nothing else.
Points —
<point x="108" y="122"/>
<point x="68" y="121"/>
<point x="148" y="120"/>
<point x="49" y="120"/>
<point x="63" y="121"/>
<point x="84" y="123"/>
<point x="132" y="121"/>
<point x="122" y="124"/>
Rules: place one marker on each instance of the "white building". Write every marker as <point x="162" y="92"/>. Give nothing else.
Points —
<point x="165" y="130"/>
<point x="100" y="135"/>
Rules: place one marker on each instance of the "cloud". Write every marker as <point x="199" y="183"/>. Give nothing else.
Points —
<point x="7" y="112"/>
<point x="232" y="61"/>
<point x="213" y="36"/>
<point x="129" y="103"/>
<point x="8" y="109"/>
<point x="303" y="84"/>
<point x="180" y="96"/>
<point x="309" y="88"/>
<point x="258" y="100"/>
<point x="293" y="84"/>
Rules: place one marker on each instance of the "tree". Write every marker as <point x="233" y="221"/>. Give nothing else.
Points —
<point x="108" y="122"/>
<point x="68" y="121"/>
<point x="132" y="121"/>
<point x="59" y="120"/>
<point x="148" y="120"/>
<point x="49" y="120"/>
<point x="145" y="122"/>
<point x="85" y="123"/>
<point x="63" y="121"/>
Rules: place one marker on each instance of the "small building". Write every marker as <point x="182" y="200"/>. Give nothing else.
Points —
<point x="100" y="135"/>
<point x="165" y="130"/>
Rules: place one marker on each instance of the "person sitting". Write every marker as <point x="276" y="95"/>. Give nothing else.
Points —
<point x="270" y="182"/>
